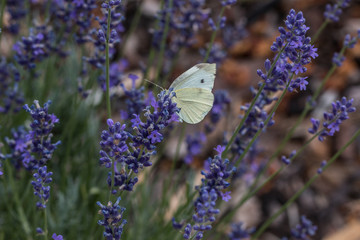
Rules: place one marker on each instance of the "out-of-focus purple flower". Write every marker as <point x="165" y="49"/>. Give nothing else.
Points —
<point x="41" y="148"/>
<point x="41" y="186"/>
<point x="232" y="34"/>
<point x="57" y="237"/>
<point x="11" y="97"/>
<point x="287" y="160"/>
<point x="17" y="11"/>
<point x="37" y="46"/>
<point x="332" y="120"/>
<point x="116" y="74"/>
<point x="349" y="42"/>
<point x="333" y="12"/>
<point x="217" y="53"/>
<point x="113" y="220"/>
<point x="128" y="149"/>
<point x="194" y="145"/>
<point x="226" y="196"/>
<point x="304" y="229"/>
<point x="18" y="143"/>
<point x="186" y="18"/>
<point x="238" y="232"/>
<point x="321" y="168"/>
<point x="228" y="2"/>
<point x="135" y="99"/>
<point x="221" y="101"/>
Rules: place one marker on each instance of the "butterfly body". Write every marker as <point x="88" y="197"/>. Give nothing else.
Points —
<point x="193" y="92"/>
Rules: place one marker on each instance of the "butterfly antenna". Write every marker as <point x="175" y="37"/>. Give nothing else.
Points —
<point x="154" y="84"/>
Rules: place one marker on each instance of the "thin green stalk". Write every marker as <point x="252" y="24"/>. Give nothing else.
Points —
<point x="152" y="52"/>
<point x="319" y="31"/>
<point x="163" y="44"/>
<point x="296" y="195"/>
<point x="134" y="23"/>
<point x="107" y="65"/>
<point x="45" y="224"/>
<point x="213" y="35"/>
<point x="2" y="9"/>
<point x="22" y="217"/>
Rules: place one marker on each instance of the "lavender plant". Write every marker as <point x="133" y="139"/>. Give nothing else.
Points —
<point x="67" y="46"/>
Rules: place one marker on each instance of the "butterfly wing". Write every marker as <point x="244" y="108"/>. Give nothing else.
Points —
<point x="194" y="103"/>
<point x="201" y="75"/>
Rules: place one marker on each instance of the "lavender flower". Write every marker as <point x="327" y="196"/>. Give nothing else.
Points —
<point x="304" y="229"/>
<point x="333" y="12"/>
<point x="294" y="51"/>
<point x="213" y="184"/>
<point x="217" y="53"/>
<point x="18" y="144"/>
<point x="11" y="97"/>
<point x="194" y="144"/>
<point x="41" y="187"/>
<point x="186" y="18"/>
<point x="321" y="168"/>
<point x="135" y="99"/>
<point x="17" y="11"/>
<point x="40" y="135"/>
<point x="287" y="160"/>
<point x="113" y="220"/>
<point x="333" y="119"/>
<point x="116" y="74"/>
<point x="57" y="237"/>
<point x="221" y="101"/>
<point x="349" y="42"/>
<point x="128" y="149"/>
<point x="238" y="232"/>
<point x="228" y="2"/>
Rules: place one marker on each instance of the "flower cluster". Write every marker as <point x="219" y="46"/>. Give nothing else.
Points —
<point x="42" y="147"/>
<point x="238" y="232"/>
<point x="116" y="74"/>
<point x="11" y="98"/>
<point x="186" y="17"/>
<point x="304" y="229"/>
<point x="221" y="102"/>
<point x="194" y="144"/>
<point x="212" y="187"/>
<point x="135" y="99"/>
<point x="127" y="150"/>
<point x="17" y="11"/>
<point x="18" y="145"/>
<point x="333" y="12"/>
<point x="332" y="120"/>
<point x="98" y="36"/>
<point x="349" y="42"/>
<point x="36" y="47"/>
<point x="113" y="220"/>
<point x="41" y="187"/>
<point x="216" y="55"/>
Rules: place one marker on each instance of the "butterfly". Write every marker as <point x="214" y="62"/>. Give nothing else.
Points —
<point x="193" y="94"/>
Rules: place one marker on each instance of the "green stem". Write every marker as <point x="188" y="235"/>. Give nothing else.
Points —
<point x="213" y="35"/>
<point x="24" y="222"/>
<point x="45" y="224"/>
<point x="163" y="44"/>
<point x="319" y="31"/>
<point x="107" y="65"/>
<point x="133" y="26"/>
<point x="2" y="9"/>
<point x="296" y="195"/>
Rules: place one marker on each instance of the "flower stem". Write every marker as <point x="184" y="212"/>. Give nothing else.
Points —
<point x="163" y="44"/>
<point x="2" y="9"/>
<point x="107" y="65"/>
<point x="319" y="31"/>
<point x="213" y="35"/>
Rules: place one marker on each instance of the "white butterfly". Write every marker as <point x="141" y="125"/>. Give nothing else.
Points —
<point x="193" y="92"/>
